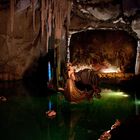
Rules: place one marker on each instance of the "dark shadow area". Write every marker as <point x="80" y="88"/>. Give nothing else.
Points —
<point x="38" y="72"/>
<point x="131" y="86"/>
<point x="128" y="130"/>
<point x="23" y="113"/>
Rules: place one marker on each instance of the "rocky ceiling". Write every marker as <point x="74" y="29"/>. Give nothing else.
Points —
<point x="106" y="14"/>
<point x="99" y="14"/>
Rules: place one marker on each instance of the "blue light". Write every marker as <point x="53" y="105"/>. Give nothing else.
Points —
<point x="50" y="105"/>
<point x="49" y="71"/>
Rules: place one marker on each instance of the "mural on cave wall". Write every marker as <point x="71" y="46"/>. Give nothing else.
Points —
<point x="102" y="49"/>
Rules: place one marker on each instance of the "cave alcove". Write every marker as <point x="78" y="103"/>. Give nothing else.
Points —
<point x="104" y="48"/>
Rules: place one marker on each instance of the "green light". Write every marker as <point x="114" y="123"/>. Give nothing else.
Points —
<point x="137" y="102"/>
<point x="112" y="93"/>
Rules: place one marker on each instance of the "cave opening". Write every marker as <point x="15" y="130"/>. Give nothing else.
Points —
<point x="112" y="53"/>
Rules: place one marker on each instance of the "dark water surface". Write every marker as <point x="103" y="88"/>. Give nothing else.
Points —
<point x="22" y="115"/>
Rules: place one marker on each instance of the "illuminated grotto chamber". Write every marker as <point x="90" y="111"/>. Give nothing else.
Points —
<point x="111" y="53"/>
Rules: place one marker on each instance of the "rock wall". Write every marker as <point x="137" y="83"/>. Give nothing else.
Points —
<point x="18" y="49"/>
<point x="28" y="31"/>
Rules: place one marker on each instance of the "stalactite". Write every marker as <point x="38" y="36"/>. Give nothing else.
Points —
<point x="42" y="17"/>
<point x="46" y="15"/>
<point x="58" y="24"/>
<point x="53" y="15"/>
<point x="49" y="19"/>
<point x="68" y="21"/>
<point x="46" y="8"/>
<point x="33" y="9"/>
<point x="12" y="4"/>
<point x="12" y="13"/>
<point x="68" y="14"/>
<point x="47" y="25"/>
<point x="62" y="7"/>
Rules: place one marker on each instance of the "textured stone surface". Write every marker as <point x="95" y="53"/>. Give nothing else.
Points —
<point x="104" y="49"/>
<point x="20" y="49"/>
<point x="136" y="26"/>
<point x="106" y="14"/>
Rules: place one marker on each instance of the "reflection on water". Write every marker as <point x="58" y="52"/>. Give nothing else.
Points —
<point x="23" y="115"/>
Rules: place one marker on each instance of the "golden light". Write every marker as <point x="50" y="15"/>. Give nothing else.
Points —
<point x="111" y="69"/>
<point x="82" y="67"/>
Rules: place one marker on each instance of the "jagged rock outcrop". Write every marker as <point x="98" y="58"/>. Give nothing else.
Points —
<point x="106" y="14"/>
